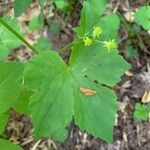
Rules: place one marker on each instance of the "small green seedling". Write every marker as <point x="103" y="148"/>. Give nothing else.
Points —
<point x="141" y="112"/>
<point x="37" y="22"/>
<point x="142" y="17"/>
<point x="131" y="52"/>
<point x="42" y="44"/>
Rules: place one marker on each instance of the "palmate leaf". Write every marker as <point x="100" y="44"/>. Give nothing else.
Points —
<point x="79" y="89"/>
<point x="52" y="103"/>
<point x="58" y="96"/>
<point x="10" y="84"/>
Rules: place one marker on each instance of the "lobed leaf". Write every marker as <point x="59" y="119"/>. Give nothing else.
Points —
<point x="96" y="114"/>
<point x="97" y="64"/>
<point x="58" y="93"/>
<point x="81" y="89"/>
<point x="52" y="103"/>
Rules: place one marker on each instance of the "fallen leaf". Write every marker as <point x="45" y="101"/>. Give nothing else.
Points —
<point x="129" y="16"/>
<point x="146" y="97"/>
<point x="87" y="92"/>
<point x="129" y="73"/>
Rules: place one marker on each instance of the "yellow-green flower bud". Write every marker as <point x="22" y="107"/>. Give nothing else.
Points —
<point x="110" y="45"/>
<point x="87" y="41"/>
<point x="97" y="32"/>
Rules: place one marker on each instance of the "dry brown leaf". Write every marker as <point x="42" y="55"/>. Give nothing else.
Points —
<point x="129" y="16"/>
<point x="129" y="73"/>
<point x="87" y="92"/>
<point x="146" y="97"/>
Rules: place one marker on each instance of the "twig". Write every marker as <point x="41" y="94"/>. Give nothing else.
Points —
<point x="36" y="145"/>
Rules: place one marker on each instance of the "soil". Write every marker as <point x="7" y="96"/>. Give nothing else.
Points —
<point x="128" y="133"/>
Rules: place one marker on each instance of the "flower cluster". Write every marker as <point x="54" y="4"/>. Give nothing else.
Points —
<point x="110" y="45"/>
<point x="96" y="33"/>
<point x="87" y="41"/>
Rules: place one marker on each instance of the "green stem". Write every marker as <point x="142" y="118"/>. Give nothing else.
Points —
<point x="18" y="35"/>
<point x="64" y="48"/>
<point x="99" y="41"/>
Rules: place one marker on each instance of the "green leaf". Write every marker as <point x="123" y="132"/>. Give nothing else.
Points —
<point x="42" y="44"/>
<point x="61" y="4"/>
<point x="131" y="52"/>
<point x="110" y="25"/>
<point x="37" y="22"/>
<point x="3" y="121"/>
<point x="92" y="10"/>
<point x="7" y="39"/>
<point x="4" y="51"/>
<point x="54" y="28"/>
<point x="7" y="145"/>
<point x="81" y="89"/>
<point x="58" y="86"/>
<point x="96" y="114"/>
<point x="23" y="101"/>
<point x="141" y="112"/>
<point x="20" y="6"/>
<point x="53" y="99"/>
<point x="10" y="84"/>
<point x="97" y="64"/>
<point x="16" y="34"/>
<point x="143" y="17"/>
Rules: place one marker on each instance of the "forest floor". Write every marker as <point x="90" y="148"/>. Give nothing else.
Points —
<point x="128" y="133"/>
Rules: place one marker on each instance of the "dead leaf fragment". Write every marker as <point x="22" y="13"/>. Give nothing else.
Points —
<point x="129" y="73"/>
<point x="87" y="92"/>
<point x="129" y="16"/>
<point x="146" y="97"/>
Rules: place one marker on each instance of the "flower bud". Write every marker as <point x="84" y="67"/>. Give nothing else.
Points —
<point x="110" y="45"/>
